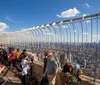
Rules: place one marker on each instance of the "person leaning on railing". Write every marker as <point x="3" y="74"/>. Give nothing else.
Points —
<point x="25" y="63"/>
<point x="65" y="74"/>
<point x="66" y="77"/>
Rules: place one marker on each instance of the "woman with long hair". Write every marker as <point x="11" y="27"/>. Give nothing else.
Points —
<point x="66" y="75"/>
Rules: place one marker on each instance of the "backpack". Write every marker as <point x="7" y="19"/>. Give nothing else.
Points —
<point x="31" y="80"/>
<point x="73" y="81"/>
<point x="69" y="80"/>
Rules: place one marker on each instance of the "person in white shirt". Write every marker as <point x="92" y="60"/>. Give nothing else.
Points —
<point x="25" y="63"/>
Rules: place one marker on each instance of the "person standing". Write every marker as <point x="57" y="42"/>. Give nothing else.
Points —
<point x="68" y="57"/>
<point x="45" y="62"/>
<point x="22" y="55"/>
<point x="25" y="64"/>
<point x="52" y="69"/>
<point x="11" y="57"/>
<point x="3" y="56"/>
<point x="18" y="52"/>
<point x="62" y="59"/>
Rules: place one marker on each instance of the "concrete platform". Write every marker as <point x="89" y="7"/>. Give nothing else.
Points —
<point x="11" y="79"/>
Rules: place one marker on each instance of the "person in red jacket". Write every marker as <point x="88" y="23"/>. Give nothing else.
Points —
<point x="11" y="57"/>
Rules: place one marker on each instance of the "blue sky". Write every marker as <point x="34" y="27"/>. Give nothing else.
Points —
<point x="20" y="14"/>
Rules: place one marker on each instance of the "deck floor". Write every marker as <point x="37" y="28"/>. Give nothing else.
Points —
<point x="11" y="79"/>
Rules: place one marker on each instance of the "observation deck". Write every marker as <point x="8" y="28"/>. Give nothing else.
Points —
<point x="11" y="78"/>
<point x="80" y="35"/>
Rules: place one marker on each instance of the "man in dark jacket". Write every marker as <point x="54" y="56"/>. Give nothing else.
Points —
<point x="3" y="56"/>
<point x="45" y="62"/>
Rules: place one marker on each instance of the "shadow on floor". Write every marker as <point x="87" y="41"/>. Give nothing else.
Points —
<point x="11" y="83"/>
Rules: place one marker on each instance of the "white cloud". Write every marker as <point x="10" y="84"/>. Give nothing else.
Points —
<point x="10" y="19"/>
<point x="84" y="15"/>
<point x="58" y="15"/>
<point x="69" y="13"/>
<point x="87" y="5"/>
<point x="3" y="26"/>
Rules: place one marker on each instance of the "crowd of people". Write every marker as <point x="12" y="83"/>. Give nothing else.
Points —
<point x="22" y="62"/>
<point x="67" y="76"/>
<point x="16" y="60"/>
